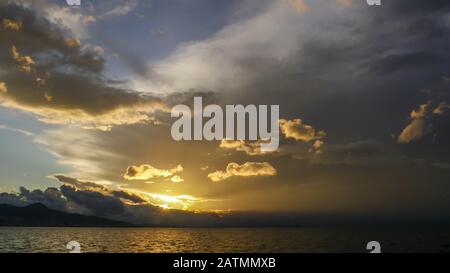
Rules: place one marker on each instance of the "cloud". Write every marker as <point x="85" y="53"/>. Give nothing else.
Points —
<point x="252" y="53"/>
<point x="97" y="202"/>
<point x="413" y="131"/>
<point x="78" y="100"/>
<point x="418" y="126"/>
<point x="183" y="201"/>
<point x="176" y="179"/>
<point x="314" y="71"/>
<point x="68" y="85"/>
<point x="122" y="9"/>
<point x="317" y="146"/>
<point x="25" y="62"/>
<point x="50" y="197"/>
<point x="298" y="5"/>
<point x="363" y="153"/>
<point x="98" y="50"/>
<point x="251" y="148"/>
<point x="74" y="20"/>
<point x="146" y="171"/>
<point x="16" y="130"/>
<point x="116" y="154"/>
<point x="424" y="120"/>
<point x="3" y="88"/>
<point x="441" y="108"/>
<point x="421" y="112"/>
<point x="230" y="60"/>
<point x="299" y="131"/>
<point x="134" y="198"/>
<point x="394" y="62"/>
<point x="245" y="170"/>
<point x="89" y="20"/>
<point x="85" y="198"/>
<point x="11" y="25"/>
<point x="39" y="35"/>
<point x="133" y="207"/>
<point x="80" y="184"/>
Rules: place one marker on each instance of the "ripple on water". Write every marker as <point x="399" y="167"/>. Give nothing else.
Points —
<point x="263" y="240"/>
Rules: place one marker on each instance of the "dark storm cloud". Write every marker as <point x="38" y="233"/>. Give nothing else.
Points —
<point x="50" y="197"/>
<point x="410" y="35"/>
<point x="96" y="202"/>
<point x="334" y="62"/>
<point x="77" y="183"/>
<point x="81" y="197"/>
<point x="10" y="198"/>
<point x="130" y="58"/>
<point x="74" y="92"/>
<point x="51" y="74"/>
<point x="367" y="152"/>
<point x="37" y="35"/>
<point x="395" y="62"/>
<point x="108" y="204"/>
<point x="379" y="70"/>
<point x="71" y="199"/>
<point x="128" y="196"/>
<point x="410" y="7"/>
<point x="153" y="216"/>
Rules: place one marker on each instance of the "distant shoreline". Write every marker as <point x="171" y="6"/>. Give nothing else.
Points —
<point x="39" y="216"/>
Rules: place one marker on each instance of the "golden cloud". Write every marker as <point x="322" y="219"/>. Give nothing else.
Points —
<point x="176" y="179"/>
<point x="73" y="42"/>
<point x="120" y="116"/>
<point x="87" y="20"/>
<point x="11" y="24"/>
<point x="297" y="130"/>
<point x="413" y="131"/>
<point x="165" y="201"/>
<point x="3" y="88"/>
<point x="417" y="127"/>
<point x="441" y="108"/>
<point x="421" y="112"/>
<point x="147" y="171"/>
<point x="249" y="147"/>
<point x="317" y="146"/>
<point x="132" y="196"/>
<point x="245" y="170"/>
<point x="25" y="62"/>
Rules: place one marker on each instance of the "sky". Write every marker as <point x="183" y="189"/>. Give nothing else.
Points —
<point x="86" y="93"/>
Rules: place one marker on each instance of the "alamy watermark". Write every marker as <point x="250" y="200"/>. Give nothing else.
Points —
<point x="74" y="247"/>
<point x="373" y="2"/>
<point x="73" y="3"/>
<point x="239" y="122"/>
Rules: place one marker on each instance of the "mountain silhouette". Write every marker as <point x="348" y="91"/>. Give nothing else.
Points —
<point x="38" y="215"/>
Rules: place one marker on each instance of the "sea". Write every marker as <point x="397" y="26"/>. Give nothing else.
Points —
<point x="224" y="240"/>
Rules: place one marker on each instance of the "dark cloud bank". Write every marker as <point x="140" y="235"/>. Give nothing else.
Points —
<point x="128" y="207"/>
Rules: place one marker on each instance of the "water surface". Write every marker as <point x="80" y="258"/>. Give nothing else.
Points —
<point x="261" y="240"/>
